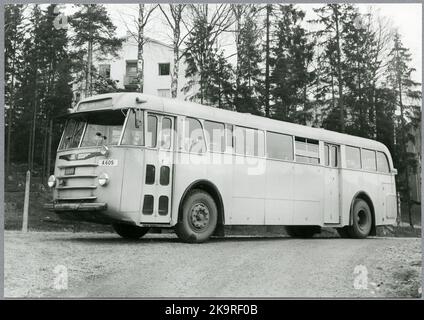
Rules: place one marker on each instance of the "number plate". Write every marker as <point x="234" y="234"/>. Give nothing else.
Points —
<point x="69" y="171"/>
<point x="108" y="162"/>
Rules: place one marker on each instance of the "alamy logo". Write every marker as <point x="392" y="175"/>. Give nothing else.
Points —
<point x="361" y="280"/>
<point x="61" y="20"/>
<point x="61" y="278"/>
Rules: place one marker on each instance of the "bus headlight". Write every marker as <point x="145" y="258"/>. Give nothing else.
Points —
<point x="104" y="151"/>
<point x="52" y="181"/>
<point x="103" y="179"/>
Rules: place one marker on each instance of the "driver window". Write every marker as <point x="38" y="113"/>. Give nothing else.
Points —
<point x="194" y="140"/>
<point x="133" y="134"/>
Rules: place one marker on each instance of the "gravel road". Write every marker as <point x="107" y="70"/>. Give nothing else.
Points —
<point x="103" y="265"/>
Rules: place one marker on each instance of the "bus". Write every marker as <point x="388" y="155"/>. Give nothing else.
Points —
<point x="137" y="161"/>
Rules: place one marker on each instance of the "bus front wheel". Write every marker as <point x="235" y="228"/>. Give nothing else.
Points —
<point x="127" y="231"/>
<point x="199" y="217"/>
<point x="361" y="220"/>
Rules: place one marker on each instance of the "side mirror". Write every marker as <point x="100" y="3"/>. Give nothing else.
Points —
<point x="394" y="171"/>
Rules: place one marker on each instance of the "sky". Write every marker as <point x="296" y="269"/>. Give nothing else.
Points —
<point x="406" y="18"/>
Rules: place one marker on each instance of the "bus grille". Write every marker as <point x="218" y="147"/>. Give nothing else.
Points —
<point x="76" y="183"/>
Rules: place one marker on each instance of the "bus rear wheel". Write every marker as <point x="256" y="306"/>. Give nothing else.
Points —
<point x="199" y="217"/>
<point x="130" y="232"/>
<point x="361" y="220"/>
<point x="302" y="231"/>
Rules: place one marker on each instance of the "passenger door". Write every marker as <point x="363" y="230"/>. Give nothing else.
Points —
<point x="332" y="187"/>
<point x="158" y="171"/>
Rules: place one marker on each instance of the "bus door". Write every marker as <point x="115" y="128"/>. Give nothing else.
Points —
<point x="331" y="180"/>
<point x="158" y="170"/>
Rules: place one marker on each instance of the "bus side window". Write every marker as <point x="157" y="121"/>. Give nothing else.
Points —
<point x="279" y="146"/>
<point x="194" y="138"/>
<point x="229" y="137"/>
<point x="240" y="138"/>
<point x="259" y="143"/>
<point x="353" y="158"/>
<point x="382" y="163"/>
<point x="165" y="133"/>
<point x="327" y="154"/>
<point x="152" y="128"/>
<point x="250" y="142"/>
<point x="369" y="160"/>
<point x="307" y="150"/>
<point x="216" y="136"/>
<point x="334" y="156"/>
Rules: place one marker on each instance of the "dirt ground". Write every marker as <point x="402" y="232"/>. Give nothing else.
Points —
<point x="65" y="264"/>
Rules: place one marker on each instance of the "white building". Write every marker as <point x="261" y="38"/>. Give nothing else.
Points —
<point x="158" y="65"/>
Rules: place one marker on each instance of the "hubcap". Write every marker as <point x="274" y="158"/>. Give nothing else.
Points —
<point x="199" y="216"/>
<point x="362" y="220"/>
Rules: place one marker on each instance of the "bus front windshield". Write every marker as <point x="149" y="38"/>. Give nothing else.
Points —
<point x="93" y="129"/>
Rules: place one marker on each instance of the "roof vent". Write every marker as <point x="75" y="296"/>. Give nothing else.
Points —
<point x="139" y="100"/>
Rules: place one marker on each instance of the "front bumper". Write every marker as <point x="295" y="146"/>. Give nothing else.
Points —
<point x="63" y="207"/>
<point x="88" y="212"/>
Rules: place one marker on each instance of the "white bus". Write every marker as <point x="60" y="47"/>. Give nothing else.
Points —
<point x="137" y="161"/>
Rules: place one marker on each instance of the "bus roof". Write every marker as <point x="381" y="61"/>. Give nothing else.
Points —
<point x="180" y="107"/>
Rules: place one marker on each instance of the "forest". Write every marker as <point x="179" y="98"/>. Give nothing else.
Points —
<point x="344" y="70"/>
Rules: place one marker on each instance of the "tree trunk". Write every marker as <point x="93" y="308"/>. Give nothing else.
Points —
<point x="44" y="154"/>
<point x="88" y="78"/>
<point x="140" y="44"/>
<point x="31" y="147"/>
<point x="237" y="32"/>
<point x="339" y="70"/>
<point x="49" y="147"/>
<point x="176" y="67"/>
<point x="10" y="118"/>
<point x="267" y="84"/>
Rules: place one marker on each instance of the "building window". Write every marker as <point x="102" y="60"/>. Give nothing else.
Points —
<point x="132" y="68"/>
<point x="164" y="69"/>
<point x="164" y="93"/>
<point x="104" y="71"/>
<point x="130" y="79"/>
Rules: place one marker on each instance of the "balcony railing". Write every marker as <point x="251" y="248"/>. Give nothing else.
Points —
<point x="130" y="80"/>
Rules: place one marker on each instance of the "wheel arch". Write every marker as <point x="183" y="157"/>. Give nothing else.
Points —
<point x="364" y="196"/>
<point x="210" y="188"/>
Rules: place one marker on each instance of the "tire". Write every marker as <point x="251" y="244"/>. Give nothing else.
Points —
<point x="198" y="218"/>
<point x="303" y="232"/>
<point x="361" y="220"/>
<point x="130" y="232"/>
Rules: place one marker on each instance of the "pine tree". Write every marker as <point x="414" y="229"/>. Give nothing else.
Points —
<point x="334" y="18"/>
<point x="408" y="102"/>
<point x="13" y="39"/>
<point x="291" y="77"/>
<point x="94" y="37"/>
<point x="204" y="61"/>
<point x="247" y="70"/>
<point x="55" y="74"/>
